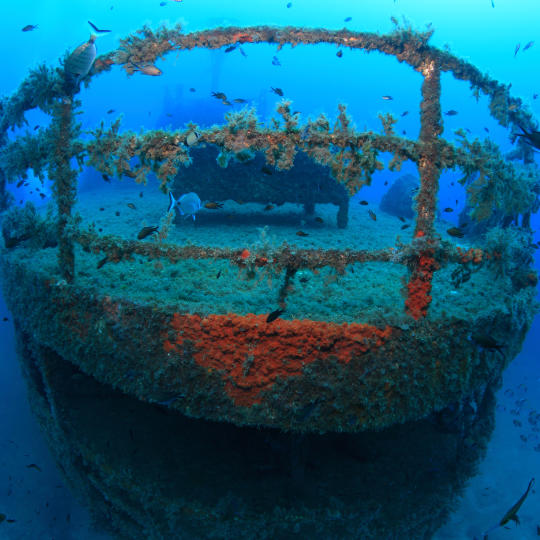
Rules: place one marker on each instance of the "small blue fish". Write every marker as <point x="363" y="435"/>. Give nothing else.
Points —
<point x="188" y="204"/>
<point x="275" y="61"/>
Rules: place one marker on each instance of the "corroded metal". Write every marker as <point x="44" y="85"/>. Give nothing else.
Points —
<point x="64" y="179"/>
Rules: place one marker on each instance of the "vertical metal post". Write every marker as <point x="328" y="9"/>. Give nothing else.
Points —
<point x="419" y="285"/>
<point x="64" y="185"/>
<point x="430" y="129"/>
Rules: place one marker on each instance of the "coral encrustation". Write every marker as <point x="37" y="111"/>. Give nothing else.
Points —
<point x="251" y="354"/>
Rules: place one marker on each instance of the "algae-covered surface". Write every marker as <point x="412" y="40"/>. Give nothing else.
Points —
<point x="366" y="292"/>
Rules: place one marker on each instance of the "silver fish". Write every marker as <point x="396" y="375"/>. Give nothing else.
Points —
<point x="79" y="62"/>
<point x="188" y="204"/>
<point x="192" y="137"/>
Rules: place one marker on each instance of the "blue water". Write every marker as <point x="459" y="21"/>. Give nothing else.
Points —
<point x="316" y="81"/>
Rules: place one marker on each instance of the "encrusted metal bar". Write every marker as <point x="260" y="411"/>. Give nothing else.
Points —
<point x="419" y="285"/>
<point x="428" y="165"/>
<point x="117" y="249"/>
<point x="64" y="187"/>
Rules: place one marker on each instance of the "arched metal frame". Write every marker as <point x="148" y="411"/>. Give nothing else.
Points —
<point x="357" y="156"/>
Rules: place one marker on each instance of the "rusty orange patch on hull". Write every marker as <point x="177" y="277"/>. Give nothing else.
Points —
<point x="419" y="286"/>
<point x="251" y="354"/>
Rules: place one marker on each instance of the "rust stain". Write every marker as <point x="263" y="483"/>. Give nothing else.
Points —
<point x="251" y="354"/>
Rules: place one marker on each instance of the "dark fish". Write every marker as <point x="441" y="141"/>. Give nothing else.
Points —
<point x="5" y="319"/>
<point x="20" y="183"/>
<point x="226" y="102"/>
<point x="96" y="29"/>
<point x="516" y="49"/>
<point x="36" y="127"/>
<point x="192" y="90"/>
<point x="404" y="113"/>
<point x="33" y="466"/>
<point x="277" y="91"/>
<point x="42" y="195"/>
<point x="106" y="178"/>
<point x="401" y="219"/>
<point x="455" y="231"/>
<point x="487" y="342"/>
<point x="146" y="231"/>
<point x="511" y="514"/>
<point x="2" y="517"/>
<point x="218" y="274"/>
<point x="275" y="61"/>
<point x="131" y="205"/>
<point x="319" y="219"/>
<point x="110" y="111"/>
<point x="347" y="19"/>
<point x="219" y="95"/>
<point x="29" y="27"/>
<point x="141" y="194"/>
<point x="230" y="48"/>
<point x="242" y="52"/>
<point x="239" y="100"/>
<point x="274" y="315"/>
<point x="268" y="207"/>
<point x="451" y="112"/>
<point x="486" y="129"/>
<point x="535" y="96"/>
<point x="372" y="215"/>
<point x="532" y="137"/>
<point x="289" y="5"/>
<point x="266" y="170"/>
<point x="212" y="205"/>
<point x="339" y="54"/>
<point x="102" y="262"/>
<point x="363" y="203"/>
<point x="448" y="209"/>
<point x="301" y="233"/>
<point x="529" y="45"/>
<point x="406" y="226"/>
<point x="387" y="98"/>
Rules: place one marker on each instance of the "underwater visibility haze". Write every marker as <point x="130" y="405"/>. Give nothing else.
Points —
<point x="269" y="270"/>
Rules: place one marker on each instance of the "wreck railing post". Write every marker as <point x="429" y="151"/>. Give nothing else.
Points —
<point x="64" y="187"/>
<point x="419" y="285"/>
